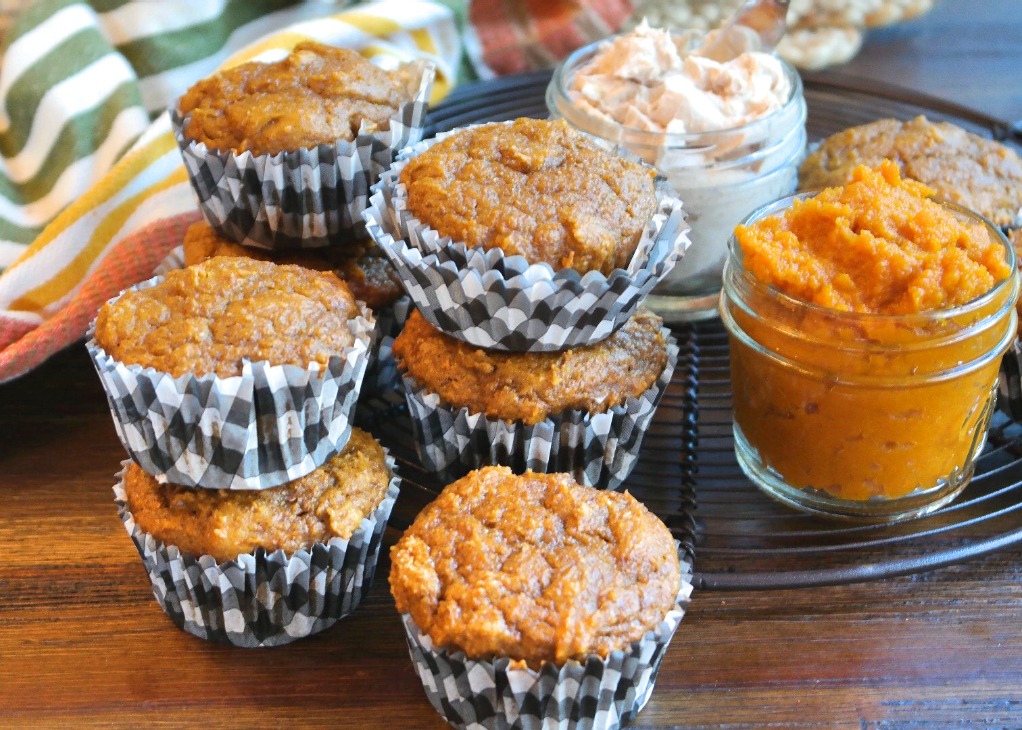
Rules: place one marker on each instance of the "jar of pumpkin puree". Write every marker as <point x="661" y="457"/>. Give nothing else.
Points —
<point x="867" y="325"/>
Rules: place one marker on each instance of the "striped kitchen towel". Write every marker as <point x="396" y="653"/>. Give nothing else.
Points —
<point x="87" y="183"/>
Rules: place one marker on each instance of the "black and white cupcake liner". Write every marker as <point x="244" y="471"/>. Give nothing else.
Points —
<point x="305" y="198"/>
<point x="260" y="429"/>
<point x="171" y="262"/>
<point x="260" y="598"/>
<point x="598" y="449"/>
<point x="599" y="693"/>
<point x="382" y="374"/>
<point x="502" y="302"/>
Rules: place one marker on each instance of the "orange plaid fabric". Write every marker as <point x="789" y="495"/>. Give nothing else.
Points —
<point x="518" y="35"/>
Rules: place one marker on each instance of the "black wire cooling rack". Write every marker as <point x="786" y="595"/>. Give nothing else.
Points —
<point x="737" y="537"/>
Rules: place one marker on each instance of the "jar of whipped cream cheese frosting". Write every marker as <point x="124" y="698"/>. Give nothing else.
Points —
<point x="728" y="137"/>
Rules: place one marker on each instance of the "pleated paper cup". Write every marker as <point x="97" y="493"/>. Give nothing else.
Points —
<point x="304" y="198"/>
<point x="597" y="449"/>
<point x="599" y="693"/>
<point x="504" y="303"/>
<point x="171" y="262"/>
<point x="268" y="426"/>
<point x="260" y="598"/>
<point x="382" y="374"/>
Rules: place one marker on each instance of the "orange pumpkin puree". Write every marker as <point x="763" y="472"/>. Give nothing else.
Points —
<point x="877" y="245"/>
<point x="859" y="405"/>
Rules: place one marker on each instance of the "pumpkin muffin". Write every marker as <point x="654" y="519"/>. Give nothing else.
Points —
<point x="282" y="155"/>
<point x="583" y="411"/>
<point x="329" y="502"/>
<point x="233" y="373"/>
<point x="263" y="568"/>
<point x="318" y="94"/>
<point x="215" y="316"/>
<point x="533" y="188"/>
<point x="532" y="601"/>
<point x="536" y="568"/>
<point x="977" y="173"/>
<point x="363" y="267"/>
<point x="531" y="386"/>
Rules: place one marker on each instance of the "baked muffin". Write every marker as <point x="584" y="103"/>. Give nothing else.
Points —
<point x="329" y="502"/>
<point x="977" y="173"/>
<point x="317" y="94"/>
<point x="533" y="188"/>
<point x="583" y="410"/>
<point x="363" y="267"/>
<point x="522" y="577"/>
<point x="542" y="241"/>
<point x="213" y="317"/>
<point x="531" y="386"/>
<point x="263" y="568"/>
<point x="282" y="154"/>
<point x="233" y="373"/>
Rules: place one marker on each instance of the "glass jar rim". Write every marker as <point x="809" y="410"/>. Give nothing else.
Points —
<point x="565" y="71"/>
<point x="782" y="204"/>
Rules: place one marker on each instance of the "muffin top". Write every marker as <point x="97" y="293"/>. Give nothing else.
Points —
<point x="363" y="267"/>
<point x="978" y="173"/>
<point x="326" y="503"/>
<point x="529" y="386"/>
<point x="533" y="188"/>
<point x="536" y="568"/>
<point x="211" y="317"/>
<point x="318" y="94"/>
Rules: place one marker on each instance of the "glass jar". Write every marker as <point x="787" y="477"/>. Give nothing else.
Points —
<point x="863" y="416"/>
<point x="719" y="176"/>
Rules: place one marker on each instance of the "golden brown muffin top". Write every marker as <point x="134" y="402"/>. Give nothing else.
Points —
<point x="529" y="386"/>
<point x="978" y="173"/>
<point x="326" y="503"/>
<point x="533" y="188"/>
<point x="363" y="267"/>
<point x="318" y="94"/>
<point x="536" y="568"/>
<point x="211" y="317"/>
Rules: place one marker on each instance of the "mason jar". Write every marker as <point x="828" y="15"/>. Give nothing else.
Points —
<point x="720" y="177"/>
<point x="874" y="417"/>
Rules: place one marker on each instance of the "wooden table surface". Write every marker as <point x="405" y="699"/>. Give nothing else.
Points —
<point x="83" y="643"/>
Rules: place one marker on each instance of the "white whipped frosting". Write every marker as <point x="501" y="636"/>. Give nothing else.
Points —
<point x="643" y="80"/>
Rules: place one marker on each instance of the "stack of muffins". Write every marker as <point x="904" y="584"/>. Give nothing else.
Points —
<point x="531" y="594"/>
<point x="257" y="509"/>
<point x="527" y="250"/>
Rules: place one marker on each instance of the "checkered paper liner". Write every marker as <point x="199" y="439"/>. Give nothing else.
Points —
<point x="598" y="449"/>
<point x="304" y="198"/>
<point x="173" y="261"/>
<point x="381" y="373"/>
<point x="496" y="693"/>
<point x="260" y="598"/>
<point x="260" y="429"/>
<point x="502" y="302"/>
